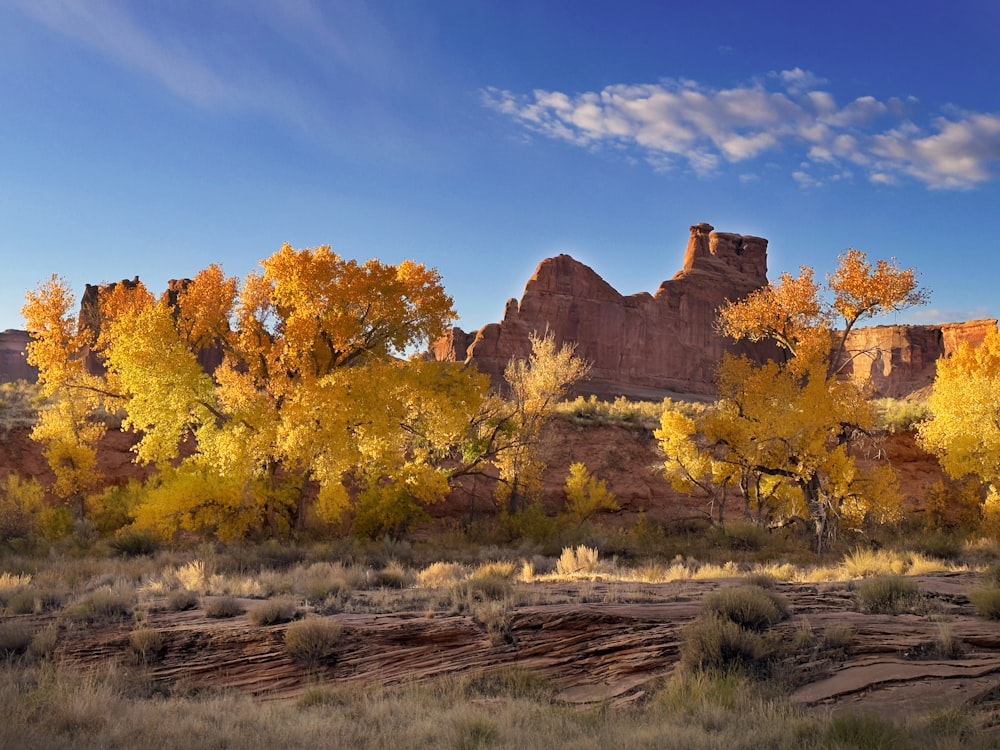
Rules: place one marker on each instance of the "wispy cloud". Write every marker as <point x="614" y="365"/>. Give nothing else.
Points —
<point x="340" y="53"/>
<point x="684" y="123"/>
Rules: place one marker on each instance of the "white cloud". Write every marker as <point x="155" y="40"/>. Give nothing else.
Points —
<point x="683" y="123"/>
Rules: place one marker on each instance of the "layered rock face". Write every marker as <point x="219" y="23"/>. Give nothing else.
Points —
<point x="641" y="346"/>
<point x="895" y="361"/>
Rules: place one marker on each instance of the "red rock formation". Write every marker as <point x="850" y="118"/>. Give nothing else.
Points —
<point x="640" y="346"/>
<point x="651" y="346"/>
<point x="13" y="362"/>
<point x="896" y="361"/>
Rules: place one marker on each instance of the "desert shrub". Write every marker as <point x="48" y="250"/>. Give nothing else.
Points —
<point x="182" y="600"/>
<point x="761" y="580"/>
<point x="464" y="595"/>
<point x="888" y="595"/>
<point x="132" y="543"/>
<point x="322" y="580"/>
<point x="954" y="505"/>
<point x="222" y="606"/>
<point x="146" y="645"/>
<point x="497" y="618"/>
<point x="21" y="501"/>
<point x="272" y="611"/>
<point x="717" y="643"/>
<point x="440" y="575"/>
<point x="838" y="636"/>
<point x="19" y="404"/>
<point x="44" y="642"/>
<point x="991" y="576"/>
<point x="587" y="495"/>
<point x="312" y="640"/>
<point x="15" y="637"/>
<point x="582" y="559"/>
<point x="34" y="600"/>
<point x="987" y="602"/>
<point x="104" y="603"/>
<point x="393" y="576"/>
<point x="750" y="607"/>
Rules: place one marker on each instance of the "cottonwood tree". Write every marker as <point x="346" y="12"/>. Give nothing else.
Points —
<point x="506" y="431"/>
<point x="310" y="388"/>
<point x="963" y="430"/>
<point x="786" y="433"/>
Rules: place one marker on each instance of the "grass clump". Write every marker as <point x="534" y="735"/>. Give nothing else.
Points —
<point x="581" y="560"/>
<point x="312" y="640"/>
<point x="750" y="607"/>
<point x="15" y="638"/>
<point x="987" y="602"/>
<point x="440" y="575"/>
<point x="146" y="645"/>
<point x="104" y="603"/>
<point x="887" y="595"/>
<point x="222" y="606"/>
<point x="716" y="643"/>
<point x="132" y="543"/>
<point x="272" y="612"/>
<point x="182" y="600"/>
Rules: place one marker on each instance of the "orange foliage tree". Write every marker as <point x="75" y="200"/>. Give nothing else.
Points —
<point x="311" y="386"/>
<point x="781" y="433"/>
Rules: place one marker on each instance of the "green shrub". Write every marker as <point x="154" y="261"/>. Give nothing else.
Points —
<point x="222" y="606"/>
<point x="899" y="415"/>
<point x="987" y="602"/>
<point x="717" y="643"/>
<point x="312" y="640"/>
<point x="272" y="612"/>
<point x="888" y="595"/>
<point x="750" y="607"/>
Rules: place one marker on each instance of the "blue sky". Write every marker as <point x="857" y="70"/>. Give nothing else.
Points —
<point x="154" y="137"/>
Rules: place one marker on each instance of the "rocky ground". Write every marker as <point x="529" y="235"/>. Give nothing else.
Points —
<point x="596" y="641"/>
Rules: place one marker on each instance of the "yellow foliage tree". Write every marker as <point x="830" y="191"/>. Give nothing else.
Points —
<point x="782" y="432"/>
<point x="507" y="429"/>
<point x="586" y="495"/>
<point x="310" y="387"/>
<point x="963" y="430"/>
<point x="64" y="427"/>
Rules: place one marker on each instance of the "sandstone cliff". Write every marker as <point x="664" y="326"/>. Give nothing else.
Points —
<point x="640" y="346"/>
<point x="13" y="363"/>
<point x="896" y="361"/>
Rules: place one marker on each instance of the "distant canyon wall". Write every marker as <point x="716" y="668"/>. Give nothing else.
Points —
<point x="649" y="346"/>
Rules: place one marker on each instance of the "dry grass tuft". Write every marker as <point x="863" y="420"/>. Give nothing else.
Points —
<point x="313" y="640"/>
<point x="222" y="606"/>
<point x="272" y="612"/>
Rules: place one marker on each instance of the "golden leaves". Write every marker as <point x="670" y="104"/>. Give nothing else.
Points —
<point x="964" y="428"/>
